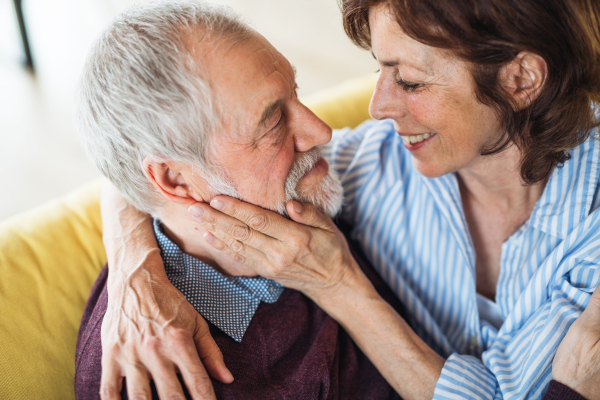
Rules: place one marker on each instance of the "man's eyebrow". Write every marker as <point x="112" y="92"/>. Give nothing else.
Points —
<point x="268" y="112"/>
<point x="274" y="106"/>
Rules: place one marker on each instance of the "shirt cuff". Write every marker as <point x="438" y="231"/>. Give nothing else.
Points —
<point x="558" y="391"/>
<point x="465" y="377"/>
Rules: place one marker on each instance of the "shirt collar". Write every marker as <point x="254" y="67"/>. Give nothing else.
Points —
<point x="565" y="201"/>
<point x="228" y="302"/>
<point x="568" y="195"/>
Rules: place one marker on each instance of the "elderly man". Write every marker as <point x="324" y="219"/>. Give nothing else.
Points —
<point x="181" y="101"/>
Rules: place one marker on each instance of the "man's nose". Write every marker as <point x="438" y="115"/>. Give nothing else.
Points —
<point x="311" y="131"/>
<point x="387" y="100"/>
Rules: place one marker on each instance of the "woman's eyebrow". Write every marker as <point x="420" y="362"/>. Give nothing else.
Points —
<point x="395" y="63"/>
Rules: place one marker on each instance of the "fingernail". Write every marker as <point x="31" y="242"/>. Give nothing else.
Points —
<point x="196" y="211"/>
<point x="209" y="237"/>
<point x="298" y="207"/>
<point x="219" y="205"/>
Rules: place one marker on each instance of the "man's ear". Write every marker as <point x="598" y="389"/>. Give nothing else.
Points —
<point x="524" y="77"/>
<point x="169" y="178"/>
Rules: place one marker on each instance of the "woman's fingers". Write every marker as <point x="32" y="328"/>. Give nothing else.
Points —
<point x="138" y="383"/>
<point x="187" y="354"/>
<point x="231" y="231"/>
<point x="257" y="218"/>
<point x="577" y="359"/>
<point x="243" y="254"/>
<point x="165" y="379"/>
<point x="112" y="379"/>
<point x="194" y="374"/>
<point x="592" y="311"/>
<point x="206" y="349"/>
<point x="308" y="214"/>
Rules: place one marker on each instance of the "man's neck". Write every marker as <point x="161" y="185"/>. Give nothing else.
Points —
<point x="179" y="227"/>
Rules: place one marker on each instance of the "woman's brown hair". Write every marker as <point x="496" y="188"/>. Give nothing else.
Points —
<point x="490" y="33"/>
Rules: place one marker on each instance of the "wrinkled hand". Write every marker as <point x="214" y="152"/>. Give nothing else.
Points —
<point x="151" y="331"/>
<point x="577" y="360"/>
<point x="308" y="254"/>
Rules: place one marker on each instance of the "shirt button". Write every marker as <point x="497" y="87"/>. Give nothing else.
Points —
<point x="474" y="345"/>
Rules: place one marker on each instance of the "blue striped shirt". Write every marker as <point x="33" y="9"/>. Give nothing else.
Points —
<point x="413" y="230"/>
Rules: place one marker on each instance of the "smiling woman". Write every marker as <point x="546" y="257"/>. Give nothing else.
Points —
<point x="487" y="37"/>
<point x="476" y="198"/>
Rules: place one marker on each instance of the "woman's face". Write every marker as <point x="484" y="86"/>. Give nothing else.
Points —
<point x="430" y="96"/>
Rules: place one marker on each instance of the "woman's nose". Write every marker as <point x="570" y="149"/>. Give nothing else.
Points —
<point x="386" y="101"/>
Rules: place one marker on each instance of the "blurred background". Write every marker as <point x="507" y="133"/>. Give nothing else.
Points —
<point x="40" y="153"/>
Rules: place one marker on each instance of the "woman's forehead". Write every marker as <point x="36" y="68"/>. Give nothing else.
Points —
<point x="392" y="47"/>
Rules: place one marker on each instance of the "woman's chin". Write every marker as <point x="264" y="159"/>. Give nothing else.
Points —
<point x="431" y="169"/>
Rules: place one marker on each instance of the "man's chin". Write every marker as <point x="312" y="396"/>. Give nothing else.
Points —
<point x="327" y="195"/>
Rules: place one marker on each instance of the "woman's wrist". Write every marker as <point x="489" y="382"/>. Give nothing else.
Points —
<point x="385" y="337"/>
<point x="134" y="259"/>
<point x="351" y="290"/>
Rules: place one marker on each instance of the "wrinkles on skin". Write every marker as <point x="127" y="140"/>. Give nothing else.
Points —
<point x="146" y="315"/>
<point x="132" y="315"/>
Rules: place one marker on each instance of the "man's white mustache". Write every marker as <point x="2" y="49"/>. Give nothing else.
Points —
<point x="301" y="166"/>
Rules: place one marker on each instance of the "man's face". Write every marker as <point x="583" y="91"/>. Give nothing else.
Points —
<point x="268" y="139"/>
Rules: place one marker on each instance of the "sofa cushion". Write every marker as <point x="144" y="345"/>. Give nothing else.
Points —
<point x="49" y="259"/>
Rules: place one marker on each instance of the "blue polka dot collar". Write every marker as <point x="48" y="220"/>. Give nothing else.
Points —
<point x="228" y="302"/>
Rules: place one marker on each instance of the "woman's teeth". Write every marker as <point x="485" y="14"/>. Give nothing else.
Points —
<point x="416" y="138"/>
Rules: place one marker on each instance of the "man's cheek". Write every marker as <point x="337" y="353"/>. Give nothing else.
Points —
<point x="261" y="181"/>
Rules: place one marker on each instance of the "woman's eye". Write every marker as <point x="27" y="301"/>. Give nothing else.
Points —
<point x="408" y="87"/>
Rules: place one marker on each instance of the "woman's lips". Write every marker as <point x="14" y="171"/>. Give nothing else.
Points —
<point x="413" y="142"/>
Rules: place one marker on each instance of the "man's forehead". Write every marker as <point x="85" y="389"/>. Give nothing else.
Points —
<point x="268" y="61"/>
<point x="251" y="77"/>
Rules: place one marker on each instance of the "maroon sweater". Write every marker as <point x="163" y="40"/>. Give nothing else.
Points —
<point x="291" y="350"/>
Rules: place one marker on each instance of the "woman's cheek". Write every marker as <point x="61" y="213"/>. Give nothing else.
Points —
<point x="426" y="111"/>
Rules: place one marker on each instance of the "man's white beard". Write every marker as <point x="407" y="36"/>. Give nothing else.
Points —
<point x="327" y="195"/>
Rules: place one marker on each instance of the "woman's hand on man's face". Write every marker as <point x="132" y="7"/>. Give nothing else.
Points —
<point x="308" y="254"/>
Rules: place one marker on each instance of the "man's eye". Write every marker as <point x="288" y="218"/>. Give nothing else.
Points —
<point x="279" y="122"/>
<point x="408" y="87"/>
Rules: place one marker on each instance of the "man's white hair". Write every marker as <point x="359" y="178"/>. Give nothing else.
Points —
<point x="143" y="94"/>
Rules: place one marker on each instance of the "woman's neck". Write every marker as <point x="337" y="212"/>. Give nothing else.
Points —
<point x="495" y="181"/>
<point x="496" y="202"/>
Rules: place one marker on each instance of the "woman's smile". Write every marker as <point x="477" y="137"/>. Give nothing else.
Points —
<point x="414" y="142"/>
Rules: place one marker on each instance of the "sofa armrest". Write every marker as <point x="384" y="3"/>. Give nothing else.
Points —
<point x="49" y="259"/>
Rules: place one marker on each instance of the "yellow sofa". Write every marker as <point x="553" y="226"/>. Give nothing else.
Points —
<point x="49" y="260"/>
